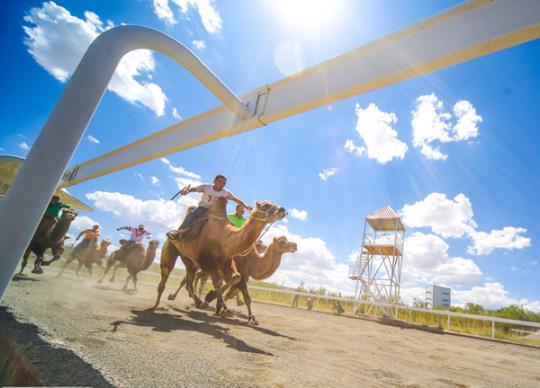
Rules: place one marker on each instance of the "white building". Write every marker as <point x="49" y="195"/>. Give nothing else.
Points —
<point x="438" y="296"/>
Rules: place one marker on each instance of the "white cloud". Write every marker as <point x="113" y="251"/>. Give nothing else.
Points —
<point x="492" y="295"/>
<point x="431" y="124"/>
<point x="380" y="139"/>
<point x="180" y="170"/>
<point x="83" y="222"/>
<point x="299" y="214"/>
<point x="158" y="215"/>
<point x="313" y="263"/>
<point x="209" y="16"/>
<point x="447" y="217"/>
<point x="93" y="139"/>
<point x="57" y="40"/>
<point x="327" y="173"/>
<point x="139" y="175"/>
<point x="508" y="237"/>
<point x="175" y="114"/>
<point x="426" y="261"/>
<point x="454" y="218"/>
<point x="164" y="12"/>
<point x="24" y="146"/>
<point x="198" y="44"/>
<point x="468" y="120"/>
<point x="154" y="180"/>
<point x="353" y="148"/>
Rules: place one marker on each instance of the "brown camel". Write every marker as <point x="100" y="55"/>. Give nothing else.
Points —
<point x="49" y="234"/>
<point x="259" y="266"/>
<point x="216" y="243"/>
<point x="138" y="259"/>
<point x="94" y="253"/>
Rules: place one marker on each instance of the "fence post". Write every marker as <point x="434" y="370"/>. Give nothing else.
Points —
<point x="448" y="320"/>
<point x="492" y="329"/>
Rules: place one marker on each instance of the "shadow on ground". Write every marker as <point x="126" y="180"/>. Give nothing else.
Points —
<point x="56" y="366"/>
<point x="165" y="322"/>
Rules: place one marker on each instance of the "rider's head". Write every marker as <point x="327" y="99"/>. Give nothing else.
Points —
<point x="239" y="210"/>
<point x="55" y="198"/>
<point x="95" y="227"/>
<point x="219" y="182"/>
<point x="141" y="227"/>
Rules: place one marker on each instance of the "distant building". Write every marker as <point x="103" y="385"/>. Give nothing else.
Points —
<point x="438" y="296"/>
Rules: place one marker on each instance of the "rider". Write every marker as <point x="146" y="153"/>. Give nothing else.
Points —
<point x="237" y="219"/>
<point x="209" y="195"/>
<point x="89" y="235"/>
<point x="137" y="235"/>
<point x="55" y="206"/>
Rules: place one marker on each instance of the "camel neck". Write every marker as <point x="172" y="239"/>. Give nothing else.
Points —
<point x="60" y="229"/>
<point x="243" y="238"/>
<point x="150" y="256"/>
<point x="261" y="268"/>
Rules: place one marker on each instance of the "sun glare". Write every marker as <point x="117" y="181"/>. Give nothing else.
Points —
<point x="307" y="15"/>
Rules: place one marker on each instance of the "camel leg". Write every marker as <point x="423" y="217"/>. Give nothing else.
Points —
<point x="126" y="283"/>
<point x="68" y="262"/>
<point x="111" y="280"/>
<point x="37" y="264"/>
<point x="25" y="259"/>
<point x="216" y="281"/>
<point x="89" y="270"/>
<point x="190" y="274"/>
<point x="169" y="255"/>
<point x="104" y="273"/>
<point x="80" y="264"/>
<point x="247" y="299"/>
<point x="135" y="282"/>
<point x="175" y="294"/>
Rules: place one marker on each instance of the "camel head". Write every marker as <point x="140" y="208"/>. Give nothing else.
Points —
<point x="153" y="245"/>
<point x="268" y="212"/>
<point x="260" y="246"/>
<point x="283" y="245"/>
<point x="68" y="215"/>
<point x="104" y="245"/>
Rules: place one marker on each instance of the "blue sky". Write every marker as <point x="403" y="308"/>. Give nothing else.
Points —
<point x="455" y="151"/>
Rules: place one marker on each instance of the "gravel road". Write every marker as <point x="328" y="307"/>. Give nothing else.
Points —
<point x="76" y="332"/>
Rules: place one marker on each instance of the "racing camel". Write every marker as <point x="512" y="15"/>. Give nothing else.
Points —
<point x="215" y="244"/>
<point x="259" y="266"/>
<point x="49" y="234"/>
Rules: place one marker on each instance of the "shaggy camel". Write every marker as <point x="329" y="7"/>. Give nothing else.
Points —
<point x="137" y="259"/>
<point x="94" y="253"/>
<point x="216" y="243"/>
<point x="49" y="234"/>
<point x="259" y="266"/>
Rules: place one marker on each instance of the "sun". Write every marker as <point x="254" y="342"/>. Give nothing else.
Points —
<point x="308" y="15"/>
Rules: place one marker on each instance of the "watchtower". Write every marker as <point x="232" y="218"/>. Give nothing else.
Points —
<point x="377" y="269"/>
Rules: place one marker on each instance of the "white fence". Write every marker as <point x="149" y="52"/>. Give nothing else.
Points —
<point x="448" y="314"/>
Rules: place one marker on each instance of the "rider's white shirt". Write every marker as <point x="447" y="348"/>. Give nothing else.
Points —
<point x="209" y="195"/>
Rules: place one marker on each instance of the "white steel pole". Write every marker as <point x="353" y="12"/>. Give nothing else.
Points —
<point x="42" y="170"/>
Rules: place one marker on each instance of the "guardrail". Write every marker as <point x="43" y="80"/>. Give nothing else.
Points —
<point x="448" y="314"/>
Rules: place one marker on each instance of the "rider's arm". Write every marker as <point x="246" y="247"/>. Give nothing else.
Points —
<point x="239" y="202"/>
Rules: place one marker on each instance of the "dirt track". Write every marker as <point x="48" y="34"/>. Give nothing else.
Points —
<point x="100" y="336"/>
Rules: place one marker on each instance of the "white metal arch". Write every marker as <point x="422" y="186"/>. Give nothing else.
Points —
<point x="46" y="162"/>
<point x="462" y="33"/>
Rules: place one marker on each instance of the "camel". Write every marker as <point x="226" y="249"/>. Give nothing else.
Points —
<point x="259" y="266"/>
<point x="49" y="234"/>
<point x="137" y="259"/>
<point x="216" y="243"/>
<point x="94" y="253"/>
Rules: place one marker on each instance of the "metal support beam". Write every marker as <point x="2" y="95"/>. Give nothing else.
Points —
<point x="46" y="162"/>
<point x="465" y="32"/>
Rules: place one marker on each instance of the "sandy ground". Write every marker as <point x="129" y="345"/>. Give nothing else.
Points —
<point x="78" y="333"/>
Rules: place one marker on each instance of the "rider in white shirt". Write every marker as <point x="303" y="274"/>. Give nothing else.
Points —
<point x="209" y="194"/>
